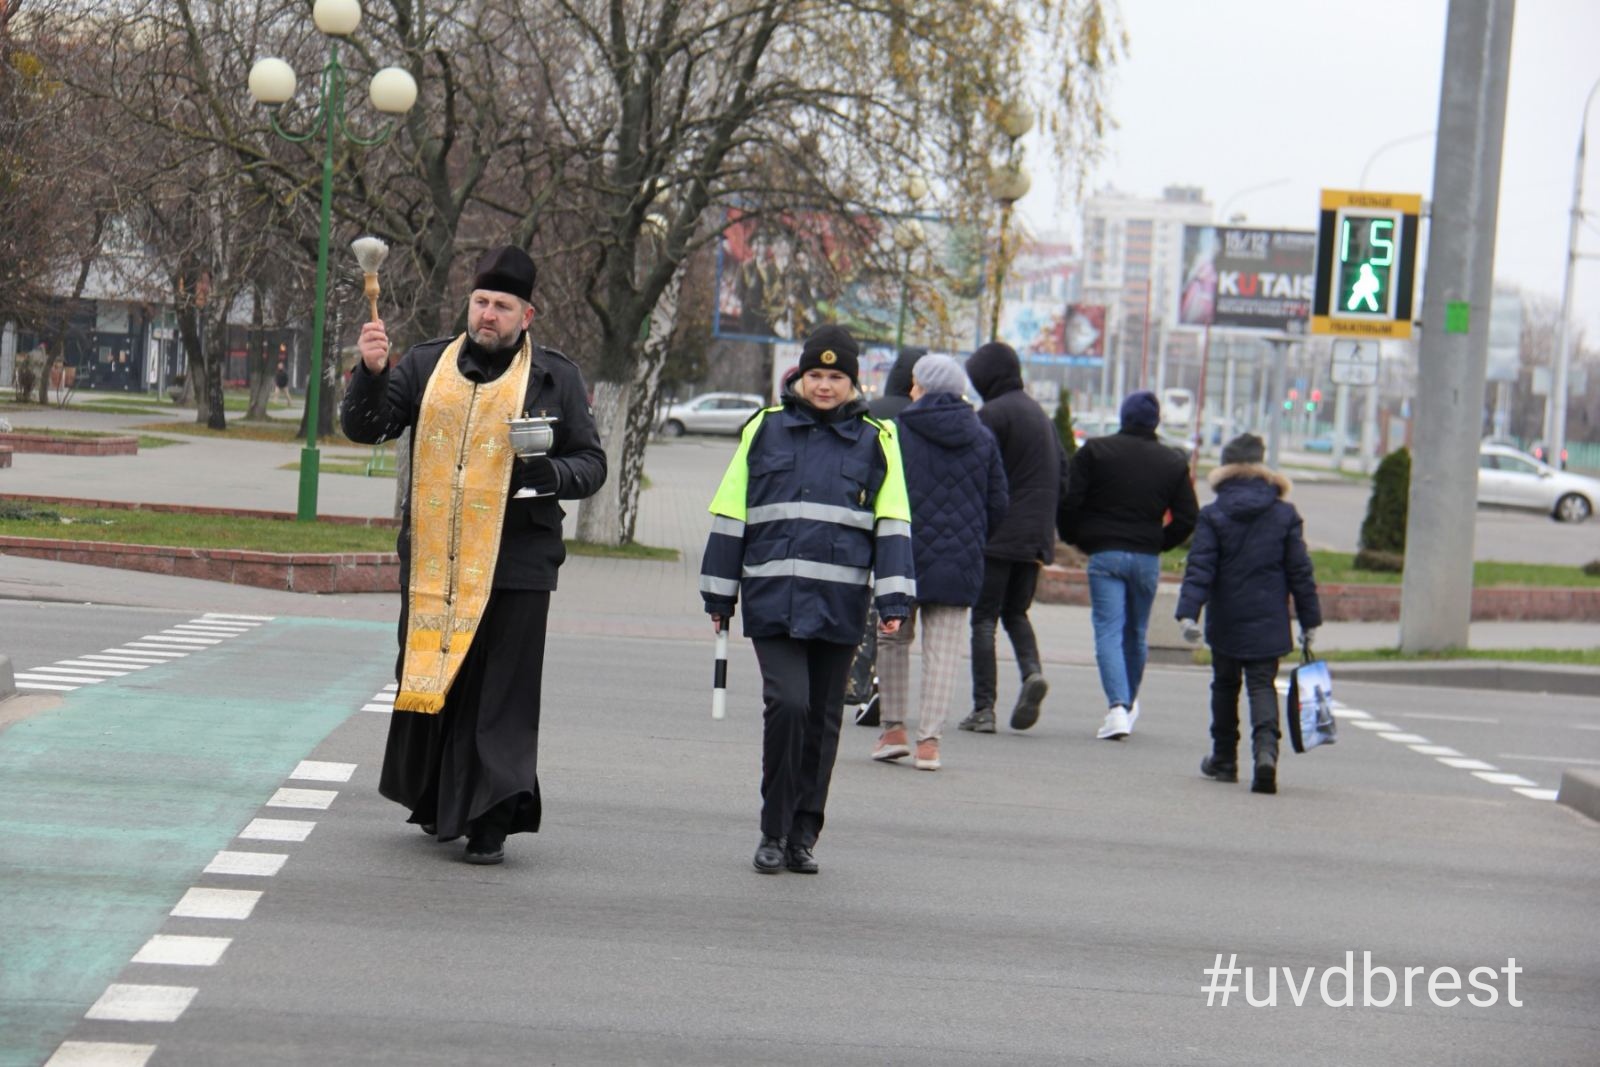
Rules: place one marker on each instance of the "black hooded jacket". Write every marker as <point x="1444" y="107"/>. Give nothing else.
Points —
<point x="897" y="387"/>
<point x="1030" y="451"/>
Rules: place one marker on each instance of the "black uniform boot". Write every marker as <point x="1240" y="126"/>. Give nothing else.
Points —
<point x="1266" y="755"/>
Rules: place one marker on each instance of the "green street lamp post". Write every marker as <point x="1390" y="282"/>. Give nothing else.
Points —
<point x="392" y="91"/>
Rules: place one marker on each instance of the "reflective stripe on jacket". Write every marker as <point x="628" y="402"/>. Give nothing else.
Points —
<point x="810" y="521"/>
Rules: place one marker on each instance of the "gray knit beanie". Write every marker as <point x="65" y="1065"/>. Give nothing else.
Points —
<point x="941" y="374"/>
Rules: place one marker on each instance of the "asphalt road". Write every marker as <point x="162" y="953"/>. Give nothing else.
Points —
<point x="1045" y="899"/>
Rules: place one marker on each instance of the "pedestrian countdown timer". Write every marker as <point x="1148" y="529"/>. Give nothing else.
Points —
<point x="1366" y="264"/>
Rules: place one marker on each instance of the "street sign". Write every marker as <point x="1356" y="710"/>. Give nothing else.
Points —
<point x="1366" y="264"/>
<point x="1354" y="362"/>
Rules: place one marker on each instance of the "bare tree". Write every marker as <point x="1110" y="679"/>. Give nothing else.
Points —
<point x="667" y="110"/>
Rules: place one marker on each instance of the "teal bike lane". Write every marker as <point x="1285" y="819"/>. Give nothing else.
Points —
<point x="112" y="802"/>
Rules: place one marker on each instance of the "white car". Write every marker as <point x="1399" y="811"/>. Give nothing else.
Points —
<point x="711" y="413"/>
<point x="1508" y="478"/>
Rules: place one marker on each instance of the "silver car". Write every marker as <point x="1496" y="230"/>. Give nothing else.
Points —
<point x="1508" y="478"/>
<point x="711" y="413"/>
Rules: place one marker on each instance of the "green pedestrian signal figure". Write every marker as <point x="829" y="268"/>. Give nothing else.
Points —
<point x="1365" y="290"/>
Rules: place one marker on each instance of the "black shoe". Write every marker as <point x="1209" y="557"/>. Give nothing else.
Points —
<point x="1223" y="770"/>
<point x="769" y="855"/>
<point x="981" y="721"/>
<point x="431" y="829"/>
<point x="1026" y="713"/>
<point x="1266" y="779"/>
<point x="485" y="850"/>
<point x="798" y="858"/>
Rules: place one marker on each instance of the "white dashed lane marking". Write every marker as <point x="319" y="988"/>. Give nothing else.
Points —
<point x="314" y="799"/>
<point x="91" y="668"/>
<point x="131" y="1002"/>
<point x="318" y="771"/>
<point x="277" y="830"/>
<point x="217" y="904"/>
<point x="180" y="951"/>
<point x="100" y="1054"/>
<point x="142" y="1003"/>
<point x="255" y="864"/>
<point x="1444" y="754"/>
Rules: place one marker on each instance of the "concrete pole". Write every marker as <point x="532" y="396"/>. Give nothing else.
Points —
<point x="1275" y="390"/>
<point x="1555" y="411"/>
<point x="1369" y="423"/>
<point x="1436" y="590"/>
<point x="1341" y="419"/>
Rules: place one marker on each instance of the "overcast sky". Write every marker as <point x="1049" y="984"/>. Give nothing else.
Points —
<point x="1232" y="94"/>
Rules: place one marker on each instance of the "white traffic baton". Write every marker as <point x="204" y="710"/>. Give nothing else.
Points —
<point x="719" y="675"/>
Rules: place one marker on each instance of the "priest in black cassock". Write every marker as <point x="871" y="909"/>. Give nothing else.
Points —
<point x="480" y="544"/>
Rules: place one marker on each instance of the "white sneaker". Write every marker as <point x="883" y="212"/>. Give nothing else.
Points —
<point x="1133" y="716"/>
<point x="1116" y="726"/>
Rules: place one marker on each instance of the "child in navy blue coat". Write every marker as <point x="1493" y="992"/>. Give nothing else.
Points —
<point x="1248" y="558"/>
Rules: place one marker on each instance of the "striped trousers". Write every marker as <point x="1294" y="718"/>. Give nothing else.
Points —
<point x="943" y="627"/>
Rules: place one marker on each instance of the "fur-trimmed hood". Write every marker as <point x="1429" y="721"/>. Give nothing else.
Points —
<point x="1278" y="481"/>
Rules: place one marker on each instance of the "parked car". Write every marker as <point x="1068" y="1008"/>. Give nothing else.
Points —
<point x="1508" y="478"/>
<point x="711" y="413"/>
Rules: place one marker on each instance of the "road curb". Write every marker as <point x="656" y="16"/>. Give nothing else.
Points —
<point x="1476" y="674"/>
<point x="8" y="680"/>
<point x="1580" y="791"/>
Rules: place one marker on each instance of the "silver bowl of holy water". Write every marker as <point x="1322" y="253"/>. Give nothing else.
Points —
<point x="532" y="435"/>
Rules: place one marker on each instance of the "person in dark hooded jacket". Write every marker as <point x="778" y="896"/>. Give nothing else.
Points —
<point x="1248" y="558"/>
<point x="957" y="489"/>
<point x="1035" y="465"/>
<point x="896" y="386"/>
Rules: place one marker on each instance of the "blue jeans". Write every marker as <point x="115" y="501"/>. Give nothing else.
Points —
<point x="1122" y="587"/>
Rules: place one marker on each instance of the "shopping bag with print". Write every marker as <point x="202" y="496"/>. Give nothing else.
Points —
<point x="1310" y="710"/>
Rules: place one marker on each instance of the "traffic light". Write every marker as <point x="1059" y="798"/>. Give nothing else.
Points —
<point x="1366" y="264"/>
<point x="1316" y="398"/>
<point x="1288" y="404"/>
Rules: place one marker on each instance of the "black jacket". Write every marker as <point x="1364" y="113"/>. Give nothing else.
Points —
<point x="1031" y="453"/>
<point x="1120" y="487"/>
<point x="896" y="386"/>
<point x="1248" y="557"/>
<point x="378" y="407"/>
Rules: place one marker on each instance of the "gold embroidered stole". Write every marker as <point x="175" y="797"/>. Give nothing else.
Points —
<point x="460" y="477"/>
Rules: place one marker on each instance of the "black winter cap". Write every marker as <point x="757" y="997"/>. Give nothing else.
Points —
<point x="1246" y="448"/>
<point x="507" y="269"/>
<point x="831" y="348"/>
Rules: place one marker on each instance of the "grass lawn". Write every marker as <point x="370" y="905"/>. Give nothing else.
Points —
<point x="343" y="466"/>
<point x="190" y="531"/>
<point x="21" y="519"/>
<point x="145" y="441"/>
<point x="1335" y="568"/>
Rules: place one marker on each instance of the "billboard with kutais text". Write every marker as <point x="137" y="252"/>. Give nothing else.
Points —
<point x="1243" y="278"/>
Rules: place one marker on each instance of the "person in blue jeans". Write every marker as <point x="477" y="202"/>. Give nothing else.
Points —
<point x="1129" y="499"/>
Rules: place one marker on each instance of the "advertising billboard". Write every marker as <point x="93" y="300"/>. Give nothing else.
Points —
<point x="781" y="275"/>
<point x="1243" y="278"/>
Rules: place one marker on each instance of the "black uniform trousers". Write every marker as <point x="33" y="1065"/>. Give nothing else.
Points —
<point x="802" y="683"/>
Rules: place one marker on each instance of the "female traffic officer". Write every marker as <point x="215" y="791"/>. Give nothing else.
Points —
<point x="811" y="520"/>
